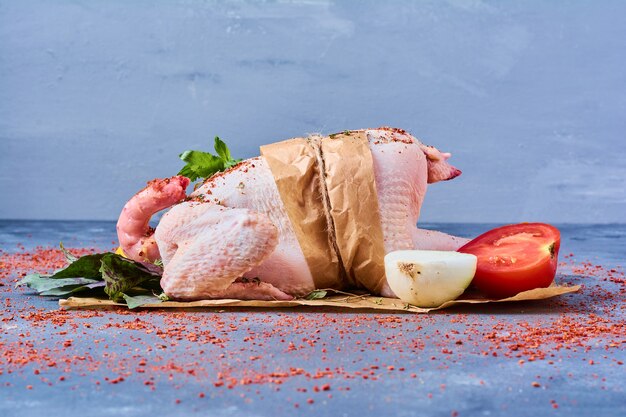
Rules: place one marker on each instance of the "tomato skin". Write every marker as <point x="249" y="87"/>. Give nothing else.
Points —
<point x="515" y="258"/>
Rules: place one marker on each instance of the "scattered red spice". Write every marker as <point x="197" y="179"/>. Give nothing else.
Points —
<point x="163" y="346"/>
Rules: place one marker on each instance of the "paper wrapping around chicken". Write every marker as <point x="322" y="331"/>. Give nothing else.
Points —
<point x="328" y="188"/>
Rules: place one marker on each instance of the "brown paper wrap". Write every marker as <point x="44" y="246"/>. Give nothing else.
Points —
<point x="328" y="188"/>
<point x="351" y="187"/>
<point x="294" y="165"/>
<point x="366" y="302"/>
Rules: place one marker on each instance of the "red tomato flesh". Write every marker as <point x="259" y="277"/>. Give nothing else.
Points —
<point x="515" y="258"/>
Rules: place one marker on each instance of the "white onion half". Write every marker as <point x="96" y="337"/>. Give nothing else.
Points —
<point x="426" y="278"/>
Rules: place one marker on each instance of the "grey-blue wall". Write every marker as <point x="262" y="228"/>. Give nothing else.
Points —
<point x="97" y="97"/>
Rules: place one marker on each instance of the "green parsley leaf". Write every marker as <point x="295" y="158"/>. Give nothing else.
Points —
<point x="203" y="164"/>
<point x="200" y="164"/>
<point x="222" y="150"/>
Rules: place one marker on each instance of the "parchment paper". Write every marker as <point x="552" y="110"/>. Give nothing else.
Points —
<point x="341" y="301"/>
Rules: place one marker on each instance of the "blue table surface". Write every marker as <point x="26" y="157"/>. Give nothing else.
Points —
<point x="359" y="354"/>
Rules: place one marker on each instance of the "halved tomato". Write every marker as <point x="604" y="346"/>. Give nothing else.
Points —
<point x="515" y="258"/>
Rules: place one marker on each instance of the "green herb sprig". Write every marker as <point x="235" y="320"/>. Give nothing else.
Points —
<point x="201" y="164"/>
<point x="102" y="274"/>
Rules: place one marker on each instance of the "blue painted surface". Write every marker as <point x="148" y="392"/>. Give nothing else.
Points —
<point x="98" y="97"/>
<point x="475" y="385"/>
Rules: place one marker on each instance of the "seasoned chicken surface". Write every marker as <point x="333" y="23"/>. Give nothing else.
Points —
<point x="233" y="238"/>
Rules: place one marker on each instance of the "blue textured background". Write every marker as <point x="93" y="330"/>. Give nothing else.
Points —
<point x="98" y="97"/>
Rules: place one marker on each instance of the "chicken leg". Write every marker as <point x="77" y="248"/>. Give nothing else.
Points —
<point x="207" y="248"/>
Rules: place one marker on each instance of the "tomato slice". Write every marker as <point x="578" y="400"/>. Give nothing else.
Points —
<point x="515" y="258"/>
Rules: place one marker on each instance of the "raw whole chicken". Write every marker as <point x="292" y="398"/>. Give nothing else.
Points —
<point x="233" y="239"/>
